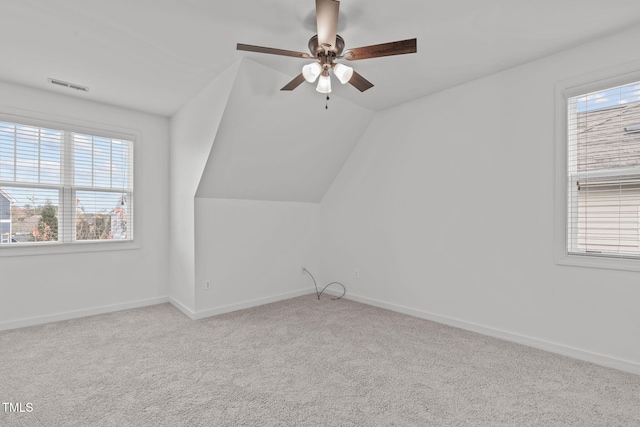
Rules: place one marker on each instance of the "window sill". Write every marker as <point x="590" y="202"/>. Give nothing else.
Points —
<point x="7" y="250"/>
<point x="590" y="261"/>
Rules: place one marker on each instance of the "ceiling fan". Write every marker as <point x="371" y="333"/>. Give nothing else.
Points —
<point x="327" y="46"/>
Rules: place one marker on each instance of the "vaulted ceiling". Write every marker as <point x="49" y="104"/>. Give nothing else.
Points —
<point x="156" y="55"/>
<point x="279" y="146"/>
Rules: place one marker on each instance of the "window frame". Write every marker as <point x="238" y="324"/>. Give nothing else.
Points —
<point x="89" y="128"/>
<point x="565" y="89"/>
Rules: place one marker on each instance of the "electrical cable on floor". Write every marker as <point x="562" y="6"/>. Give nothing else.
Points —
<point x="344" y="290"/>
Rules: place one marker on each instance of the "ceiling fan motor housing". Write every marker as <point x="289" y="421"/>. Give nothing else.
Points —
<point x="317" y="49"/>
<point x="327" y="46"/>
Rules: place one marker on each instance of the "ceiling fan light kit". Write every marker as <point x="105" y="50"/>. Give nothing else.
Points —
<point x="343" y="72"/>
<point x="324" y="84"/>
<point x="327" y="46"/>
<point x="311" y="71"/>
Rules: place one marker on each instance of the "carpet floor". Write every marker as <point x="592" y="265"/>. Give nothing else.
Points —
<point x="299" y="362"/>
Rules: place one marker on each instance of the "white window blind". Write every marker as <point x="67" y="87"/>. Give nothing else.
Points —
<point x="64" y="186"/>
<point x="604" y="172"/>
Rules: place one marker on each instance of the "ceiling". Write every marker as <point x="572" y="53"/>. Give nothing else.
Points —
<point x="277" y="158"/>
<point x="155" y="55"/>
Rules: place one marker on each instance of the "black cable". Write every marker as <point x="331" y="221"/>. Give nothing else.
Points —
<point x="344" y="290"/>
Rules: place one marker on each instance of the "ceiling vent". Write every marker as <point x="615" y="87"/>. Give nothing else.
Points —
<point x="69" y="85"/>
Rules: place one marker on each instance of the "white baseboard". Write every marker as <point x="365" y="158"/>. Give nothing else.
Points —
<point x="32" y="321"/>
<point x="201" y="314"/>
<point x="183" y="308"/>
<point x="21" y="323"/>
<point x="576" y="353"/>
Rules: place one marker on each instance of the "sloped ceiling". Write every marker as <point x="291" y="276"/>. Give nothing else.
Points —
<point x="156" y="55"/>
<point x="279" y="146"/>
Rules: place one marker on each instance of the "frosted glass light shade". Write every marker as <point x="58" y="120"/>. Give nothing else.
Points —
<point x="343" y="73"/>
<point x="324" y="84"/>
<point x="311" y="71"/>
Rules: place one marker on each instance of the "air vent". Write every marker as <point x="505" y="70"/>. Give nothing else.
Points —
<point x="69" y="85"/>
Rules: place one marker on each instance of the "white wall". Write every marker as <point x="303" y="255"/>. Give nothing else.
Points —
<point x="279" y="145"/>
<point x="446" y="207"/>
<point x="193" y="130"/>
<point x="37" y="288"/>
<point x="252" y="252"/>
<point x="263" y="164"/>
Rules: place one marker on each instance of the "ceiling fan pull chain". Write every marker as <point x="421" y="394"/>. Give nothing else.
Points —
<point x="326" y="103"/>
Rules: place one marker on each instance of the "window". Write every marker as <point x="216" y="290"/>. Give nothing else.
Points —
<point x="603" y="172"/>
<point x="64" y="186"/>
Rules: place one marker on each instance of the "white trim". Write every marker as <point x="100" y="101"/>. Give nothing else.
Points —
<point x="71" y="125"/>
<point x="602" y="79"/>
<point x="21" y="323"/>
<point x="599" y="261"/>
<point x="201" y="314"/>
<point x="576" y="353"/>
<point x="43" y="248"/>
<point x="7" y="196"/>
<point x="33" y="118"/>
<point x="183" y="308"/>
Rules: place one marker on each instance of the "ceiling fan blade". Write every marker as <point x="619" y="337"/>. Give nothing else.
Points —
<point x="294" y="83"/>
<point x="327" y="22"/>
<point x="385" y="49"/>
<point x="360" y="82"/>
<point x="272" y="51"/>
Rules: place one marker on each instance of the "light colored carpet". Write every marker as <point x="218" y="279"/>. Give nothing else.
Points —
<point x="300" y="362"/>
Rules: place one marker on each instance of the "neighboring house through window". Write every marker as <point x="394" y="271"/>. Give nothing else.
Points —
<point x="5" y="216"/>
<point x="64" y="185"/>
<point x="602" y="171"/>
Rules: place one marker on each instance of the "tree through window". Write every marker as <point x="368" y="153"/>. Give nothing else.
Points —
<point x="64" y="186"/>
